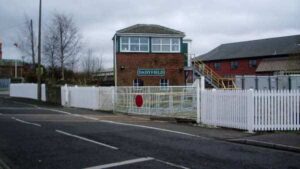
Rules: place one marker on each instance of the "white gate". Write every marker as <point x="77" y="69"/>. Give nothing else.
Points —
<point x="175" y="101"/>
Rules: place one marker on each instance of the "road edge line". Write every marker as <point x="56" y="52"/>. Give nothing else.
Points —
<point x="86" y="139"/>
<point x="26" y="122"/>
<point x="116" y="164"/>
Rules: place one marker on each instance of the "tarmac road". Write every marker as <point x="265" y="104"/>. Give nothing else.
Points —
<point x="33" y="137"/>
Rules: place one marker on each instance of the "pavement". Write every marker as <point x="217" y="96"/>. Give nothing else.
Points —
<point x="39" y="135"/>
<point x="287" y="141"/>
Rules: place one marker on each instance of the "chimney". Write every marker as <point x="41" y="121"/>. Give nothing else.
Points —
<point x="0" y="50"/>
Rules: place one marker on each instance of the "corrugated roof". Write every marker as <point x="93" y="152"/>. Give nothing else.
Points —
<point x="279" y="64"/>
<point x="149" y="29"/>
<point x="255" y="48"/>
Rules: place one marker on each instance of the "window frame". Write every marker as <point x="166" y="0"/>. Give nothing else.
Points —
<point x="164" y="84"/>
<point x="170" y="44"/>
<point x="129" y="43"/>
<point x="251" y="65"/>
<point x="216" y="67"/>
<point x="234" y="66"/>
<point x="138" y="82"/>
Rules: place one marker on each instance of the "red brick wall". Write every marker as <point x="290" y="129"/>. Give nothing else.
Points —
<point x="9" y="71"/>
<point x="173" y="63"/>
<point x="243" y="69"/>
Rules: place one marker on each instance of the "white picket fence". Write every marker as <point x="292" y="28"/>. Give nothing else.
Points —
<point x="242" y="109"/>
<point x="276" y="110"/>
<point x="251" y="110"/>
<point x="95" y="98"/>
<point x="225" y="108"/>
<point x="26" y="90"/>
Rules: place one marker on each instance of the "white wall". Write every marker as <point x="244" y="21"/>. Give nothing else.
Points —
<point x="96" y="98"/>
<point x="26" y="90"/>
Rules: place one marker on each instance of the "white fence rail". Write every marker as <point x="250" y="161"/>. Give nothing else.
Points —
<point x="26" y="90"/>
<point x="96" y="98"/>
<point x="276" y="110"/>
<point x="251" y="110"/>
<point x="175" y="101"/>
<point x="225" y="108"/>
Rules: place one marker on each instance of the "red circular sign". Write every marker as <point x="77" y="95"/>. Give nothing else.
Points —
<point x="139" y="100"/>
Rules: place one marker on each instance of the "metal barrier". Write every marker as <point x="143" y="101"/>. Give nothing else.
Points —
<point x="276" y="82"/>
<point x="175" y="101"/>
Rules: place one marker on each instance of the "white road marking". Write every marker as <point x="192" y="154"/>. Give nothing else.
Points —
<point x="86" y="117"/>
<point x="138" y="160"/>
<point x="154" y="128"/>
<point x="86" y="139"/>
<point x="59" y="111"/>
<point x="171" y="164"/>
<point x="127" y="124"/>
<point x="26" y="122"/>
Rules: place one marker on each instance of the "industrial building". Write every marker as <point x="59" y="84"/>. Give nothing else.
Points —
<point x="256" y="64"/>
<point x="280" y="55"/>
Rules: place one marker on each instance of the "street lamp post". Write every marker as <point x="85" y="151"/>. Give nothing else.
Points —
<point x="39" y="54"/>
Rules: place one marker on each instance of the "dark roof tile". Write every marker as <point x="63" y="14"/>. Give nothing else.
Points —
<point x="150" y="29"/>
<point x="255" y="48"/>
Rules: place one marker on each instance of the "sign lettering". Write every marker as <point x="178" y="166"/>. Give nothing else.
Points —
<point x="151" y="72"/>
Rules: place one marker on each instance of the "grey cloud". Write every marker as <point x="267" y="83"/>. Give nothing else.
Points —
<point x="208" y="23"/>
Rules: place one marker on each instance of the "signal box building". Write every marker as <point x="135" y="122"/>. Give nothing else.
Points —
<point x="149" y="55"/>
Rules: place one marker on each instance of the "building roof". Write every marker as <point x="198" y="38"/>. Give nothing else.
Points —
<point x="149" y="29"/>
<point x="255" y="48"/>
<point x="279" y="64"/>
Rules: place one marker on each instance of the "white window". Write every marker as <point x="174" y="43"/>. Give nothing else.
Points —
<point x="138" y="82"/>
<point x="134" y="44"/>
<point x="164" y="83"/>
<point x="165" y="45"/>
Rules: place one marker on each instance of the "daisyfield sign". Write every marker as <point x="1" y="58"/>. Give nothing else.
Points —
<point x="151" y="72"/>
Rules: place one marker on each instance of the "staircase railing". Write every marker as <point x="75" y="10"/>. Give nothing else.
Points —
<point x="216" y="79"/>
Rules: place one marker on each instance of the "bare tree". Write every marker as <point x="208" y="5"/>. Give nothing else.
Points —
<point x="69" y="40"/>
<point x="50" y="46"/>
<point x="91" y="63"/>
<point x="27" y="40"/>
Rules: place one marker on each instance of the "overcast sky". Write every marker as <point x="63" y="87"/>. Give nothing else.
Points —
<point x="208" y="23"/>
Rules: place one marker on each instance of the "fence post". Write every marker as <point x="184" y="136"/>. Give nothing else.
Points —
<point x="250" y="110"/>
<point x="113" y="98"/>
<point x="202" y="82"/>
<point x="66" y="95"/>
<point x="198" y="100"/>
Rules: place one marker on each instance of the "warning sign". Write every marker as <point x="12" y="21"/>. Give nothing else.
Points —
<point x="139" y="100"/>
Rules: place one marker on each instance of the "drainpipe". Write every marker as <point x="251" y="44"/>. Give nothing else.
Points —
<point x="16" y="69"/>
<point x="115" y="73"/>
<point x="115" y="59"/>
